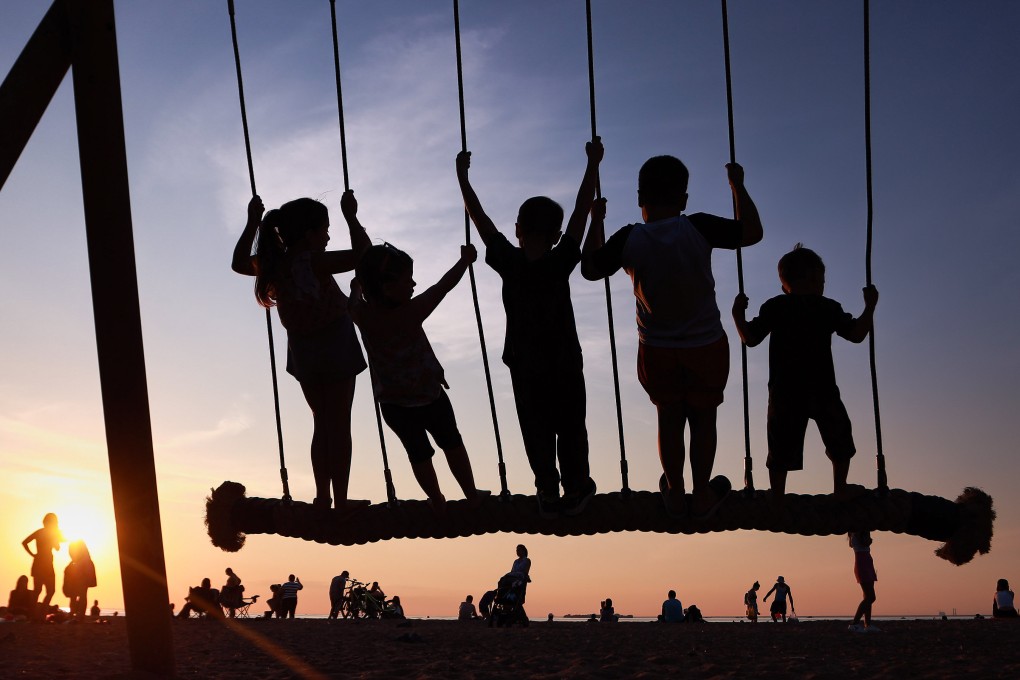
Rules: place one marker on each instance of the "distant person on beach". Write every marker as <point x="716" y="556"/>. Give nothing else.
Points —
<point x="693" y="615"/>
<point x="79" y="576"/>
<point x="94" y="612"/>
<point x="46" y="540"/>
<point x="396" y="608"/>
<point x="410" y="383"/>
<point x="21" y="601"/>
<point x="202" y="600"/>
<point x="802" y="380"/>
<point x="288" y="596"/>
<point x="541" y="348"/>
<point x="672" y="609"/>
<point x="232" y="593"/>
<point x="467" y="610"/>
<point x="337" y="586"/>
<point x="864" y="571"/>
<point x="274" y="602"/>
<point x="683" y="354"/>
<point x="522" y="567"/>
<point x="751" y="602"/>
<point x="294" y="271"/>
<point x="1002" y="603"/>
<point x="607" y="614"/>
<point x="782" y="591"/>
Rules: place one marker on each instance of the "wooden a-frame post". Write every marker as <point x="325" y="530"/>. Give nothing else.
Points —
<point x="80" y="35"/>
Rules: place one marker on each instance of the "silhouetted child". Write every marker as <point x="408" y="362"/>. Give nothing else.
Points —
<point x="683" y="353"/>
<point x="46" y="540"/>
<point x="79" y="576"/>
<point x="802" y="380"/>
<point x="408" y="378"/>
<point x="1002" y="603"/>
<point x="864" y="572"/>
<point x="294" y="271"/>
<point x="94" y="612"/>
<point x="467" y="610"/>
<point x="541" y="348"/>
<point x="607" y="614"/>
<point x="751" y="602"/>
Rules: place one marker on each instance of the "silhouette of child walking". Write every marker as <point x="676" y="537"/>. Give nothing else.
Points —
<point x="864" y="571"/>
<point x="46" y="540"/>
<point x="294" y="272"/>
<point x="802" y="380"/>
<point x="408" y="378"/>
<point x="541" y="348"/>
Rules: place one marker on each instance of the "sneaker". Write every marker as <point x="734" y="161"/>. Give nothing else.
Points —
<point x="856" y="628"/>
<point x="872" y="629"/>
<point x="548" y="505"/>
<point x="575" y="502"/>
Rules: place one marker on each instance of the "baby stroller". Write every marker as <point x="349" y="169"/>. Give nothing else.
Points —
<point x="507" y="606"/>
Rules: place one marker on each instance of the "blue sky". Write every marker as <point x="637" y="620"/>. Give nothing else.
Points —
<point x="946" y="195"/>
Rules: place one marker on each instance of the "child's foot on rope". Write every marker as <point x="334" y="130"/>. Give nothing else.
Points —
<point x="848" y="492"/>
<point x="438" y="505"/>
<point x="575" y="502"/>
<point x="322" y="502"/>
<point x="475" y="500"/>
<point x="352" y="505"/>
<point x="674" y="499"/>
<point x="707" y="501"/>
<point x="548" y="504"/>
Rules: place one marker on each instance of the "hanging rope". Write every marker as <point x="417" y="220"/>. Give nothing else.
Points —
<point x="883" y="482"/>
<point x="504" y="492"/>
<point x="609" y="298"/>
<point x="748" y="473"/>
<point x="269" y="318"/>
<point x="391" y="494"/>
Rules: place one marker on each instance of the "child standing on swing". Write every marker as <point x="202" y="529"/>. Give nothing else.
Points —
<point x="408" y="379"/>
<point x="294" y="272"/>
<point x="802" y="380"/>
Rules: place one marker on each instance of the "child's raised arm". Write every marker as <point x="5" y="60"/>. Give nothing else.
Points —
<point x="423" y="305"/>
<point x="483" y="225"/>
<point x="747" y="211"/>
<point x="595" y="239"/>
<point x="337" y="261"/>
<point x="586" y="193"/>
<point x="242" y="261"/>
<point x="864" y="323"/>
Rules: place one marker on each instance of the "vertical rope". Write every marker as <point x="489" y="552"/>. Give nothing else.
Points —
<point x="269" y="318"/>
<point x="883" y="482"/>
<point x="391" y="494"/>
<point x="609" y="298"/>
<point x="748" y="471"/>
<point x="504" y="492"/>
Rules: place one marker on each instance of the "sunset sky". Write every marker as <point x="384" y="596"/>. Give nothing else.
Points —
<point x="947" y="196"/>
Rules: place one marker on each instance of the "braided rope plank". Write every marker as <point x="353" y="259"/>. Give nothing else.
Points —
<point x="965" y="526"/>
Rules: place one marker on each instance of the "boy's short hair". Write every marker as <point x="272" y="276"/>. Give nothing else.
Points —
<point x="662" y="180"/>
<point x="797" y="264"/>
<point x="540" y="214"/>
<point x="381" y="264"/>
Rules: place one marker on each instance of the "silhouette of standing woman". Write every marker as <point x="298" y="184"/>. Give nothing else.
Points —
<point x="46" y="540"/>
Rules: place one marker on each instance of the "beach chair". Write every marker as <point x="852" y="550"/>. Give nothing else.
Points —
<point x="246" y="602"/>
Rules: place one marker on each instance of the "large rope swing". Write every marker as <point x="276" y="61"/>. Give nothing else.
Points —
<point x="964" y="526"/>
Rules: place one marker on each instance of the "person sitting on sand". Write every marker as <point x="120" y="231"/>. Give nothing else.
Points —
<point x="22" y="600"/>
<point x="467" y="609"/>
<point x="751" y="602"/>
<point x="864" y="570"/>
<point x="608" y="614"/>
<point x="202" y="600"/>
<point x="693" y="615"/>
<point x="396" y="609"/>
<point x="782" y="591"/>
<point x="1002" y="603"/>
<point x="95" y="611"/>
<point x="672" y="609"/>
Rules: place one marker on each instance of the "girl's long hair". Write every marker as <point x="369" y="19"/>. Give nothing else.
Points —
<point x="280" y="230"/>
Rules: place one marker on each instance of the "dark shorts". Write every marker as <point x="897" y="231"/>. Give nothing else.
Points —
<point x="328" y="355"/>
<point x="778" y="607"/>
<point x="787" y="424"/>
<point x="685" y="375"/>
<point x="864" y="568"/>
<point x="411" y="423"/>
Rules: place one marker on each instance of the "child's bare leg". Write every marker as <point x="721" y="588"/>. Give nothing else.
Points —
<point x="777" y="481"/>
<point x="840" y="488"/>
<point x="672" y="421"/>
<point x="425" y="473"/>
<point x="460" y="466"/>
<point x="864" y="608"/>
<point x="331" y="439"/>
<point x="704" y="439"/>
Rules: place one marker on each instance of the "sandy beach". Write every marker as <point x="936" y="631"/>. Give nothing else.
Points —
<point x="448" y="649"/>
